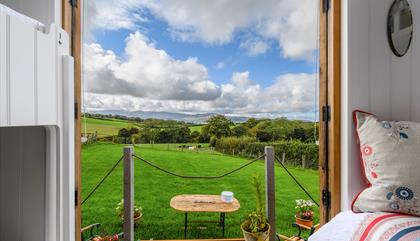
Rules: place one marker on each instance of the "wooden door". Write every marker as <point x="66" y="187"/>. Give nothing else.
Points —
<point x="329" y="154"/>
<point x="72" y="24"/>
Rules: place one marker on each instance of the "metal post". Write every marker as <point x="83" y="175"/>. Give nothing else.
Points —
<point x="270" y="190"/>
<point x="128" y="226"/>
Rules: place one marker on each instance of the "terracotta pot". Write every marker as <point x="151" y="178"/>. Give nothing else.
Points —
<point x="137" y="219"/>
<point x="304" y="222"/>
<point x="263" y="236"/>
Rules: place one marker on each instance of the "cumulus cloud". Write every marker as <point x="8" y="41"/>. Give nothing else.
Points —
<point x="292" y="24"/>
<point x="146" y="72"/>
<point x="290" y="95"/>
<point x="255" y="47"/>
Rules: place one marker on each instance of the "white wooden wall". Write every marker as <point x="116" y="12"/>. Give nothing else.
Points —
<point x="374" y="79"/>
<point x="22" y="181"/>
<point x="46" y="11"/>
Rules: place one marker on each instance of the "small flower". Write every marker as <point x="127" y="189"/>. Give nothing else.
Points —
<point x="367" y="150"/>
<point x="394" y="206"/>
<point x="404" y="193"/>
<point x="386" y="125"/>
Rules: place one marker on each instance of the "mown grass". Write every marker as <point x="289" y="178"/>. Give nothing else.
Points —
<point x="153" y="190"/>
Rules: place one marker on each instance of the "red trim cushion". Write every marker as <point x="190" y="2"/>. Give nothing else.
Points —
<point x="390" y="159"/>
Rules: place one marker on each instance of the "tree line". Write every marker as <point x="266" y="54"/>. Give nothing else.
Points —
<point x="217" y="127"/>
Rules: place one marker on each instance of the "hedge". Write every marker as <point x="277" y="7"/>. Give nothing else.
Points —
<point x="294" y="150"/>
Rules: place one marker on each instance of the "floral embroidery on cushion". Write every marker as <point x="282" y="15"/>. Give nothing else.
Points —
<point x="403" y="135"/>
<point x="367" y="150"/>
<point x="389" y="195"/>
<point x="394" y="206"/>
<point x="374" y="175"/>
<point x="404" y="193"/>
<point x="386" y="125"/>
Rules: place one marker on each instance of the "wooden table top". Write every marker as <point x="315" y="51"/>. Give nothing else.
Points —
<point x="203" y="203"/>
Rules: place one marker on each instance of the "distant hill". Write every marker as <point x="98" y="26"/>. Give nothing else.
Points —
<point x="190" y="118"/>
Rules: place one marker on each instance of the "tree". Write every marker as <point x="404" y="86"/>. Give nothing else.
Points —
<point x="183" y="134"/>
<point x="124" y="133"/>
<point x="264" y="136"/>
<point x="219" y="126"/>
<point x="195" y="136"/>
<point x="239" y="130"/>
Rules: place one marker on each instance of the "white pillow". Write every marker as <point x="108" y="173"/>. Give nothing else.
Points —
<point x="390" y="156"/>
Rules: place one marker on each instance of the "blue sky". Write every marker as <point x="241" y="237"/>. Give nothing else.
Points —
<point x="194" y="57"/>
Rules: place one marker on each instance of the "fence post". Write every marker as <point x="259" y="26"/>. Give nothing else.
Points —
<point x="270" y="190"/>
<point x="303" y="161"/>
<point x="283" y="158"/>
<point x="128" y="226"/>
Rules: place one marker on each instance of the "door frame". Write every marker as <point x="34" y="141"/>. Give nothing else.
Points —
<point x="72" y="23"/>
<point x="330" y="108"/>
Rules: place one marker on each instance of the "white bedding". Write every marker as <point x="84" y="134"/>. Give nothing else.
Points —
<point x="30" y="21"/>
<point x="340" y="228"/>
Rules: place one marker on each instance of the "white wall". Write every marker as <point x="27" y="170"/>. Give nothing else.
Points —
<point x="45" y="11"/>
<point x="23" y="182"/>
<point x="374" y="79"/>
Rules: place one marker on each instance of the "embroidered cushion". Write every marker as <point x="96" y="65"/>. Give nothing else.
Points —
<point x="390" y="157"/>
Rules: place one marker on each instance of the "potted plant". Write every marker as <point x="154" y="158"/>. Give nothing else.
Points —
<point x="106" y="238"/>
<point x="304" y="212"/>
<point x="137" y="212"/>
<point x="256" y="227"/>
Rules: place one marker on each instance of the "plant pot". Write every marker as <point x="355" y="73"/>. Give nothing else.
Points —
<point x="262" y="236"/>
<point x="137" y="219"/>
<point x="304" y="222"/>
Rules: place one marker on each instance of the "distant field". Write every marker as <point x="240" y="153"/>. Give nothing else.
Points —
<point x="196" y="128"/>
<point x="111" y="127"/>
<point x="104" y="127"/>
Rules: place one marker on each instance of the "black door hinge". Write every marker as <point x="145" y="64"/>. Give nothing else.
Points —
<point x="76" y="197"/>
<point x="326" y="6"/>
<point x="76" y="111"/>
<point x="326" y="113"/>
<point x="73" y="3"/>
<point x="326" y="198"/>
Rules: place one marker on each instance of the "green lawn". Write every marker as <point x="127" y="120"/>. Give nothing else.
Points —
<point x="153" y="190"/>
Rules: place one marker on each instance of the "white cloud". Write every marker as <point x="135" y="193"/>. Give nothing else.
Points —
<point x="292" y="24"/>
<point x="255" y="47"/>
<point x="220" y="65"/>
<point x="290" y="95"/>
<point x="146" y="72"/>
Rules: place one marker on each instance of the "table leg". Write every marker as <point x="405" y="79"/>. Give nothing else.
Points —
<point x="185" y="225"/>
<point x="222" y="222"/>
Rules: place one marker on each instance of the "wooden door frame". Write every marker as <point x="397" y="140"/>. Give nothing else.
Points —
<point x="329" y="102"/>
<point x="72" y="24"/>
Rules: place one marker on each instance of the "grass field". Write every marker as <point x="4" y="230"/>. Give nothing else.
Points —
<point x="153" y="190"/>
<point x="104" y="127"/>
<point x="111" y="127"/>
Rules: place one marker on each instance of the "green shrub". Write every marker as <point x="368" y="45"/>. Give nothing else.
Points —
<point x="294" y="150"/>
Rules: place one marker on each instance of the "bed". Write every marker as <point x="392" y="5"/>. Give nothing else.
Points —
<point x="349" y="226"/>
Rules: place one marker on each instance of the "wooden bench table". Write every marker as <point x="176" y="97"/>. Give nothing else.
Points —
<point x="204" y="204"/>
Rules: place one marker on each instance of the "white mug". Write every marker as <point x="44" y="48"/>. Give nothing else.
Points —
<point x="227" y="196"/>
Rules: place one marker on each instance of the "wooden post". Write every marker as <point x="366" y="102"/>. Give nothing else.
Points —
<point x="303" y="161"/>
<point x="283" y="158"/>
<point x="270" y="190"/>
<point x="128" y="227"/>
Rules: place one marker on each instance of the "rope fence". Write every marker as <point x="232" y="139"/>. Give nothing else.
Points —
<point x="159" y="168"/>
<point x="198" y="177"/>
